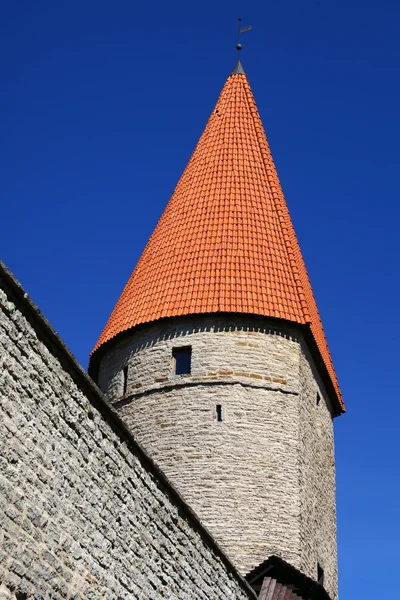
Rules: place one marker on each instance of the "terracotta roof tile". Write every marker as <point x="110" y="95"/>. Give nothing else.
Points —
<point x="225" y="241"/>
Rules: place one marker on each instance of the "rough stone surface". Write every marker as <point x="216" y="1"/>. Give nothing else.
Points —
<point x="84" y="515"/>
<point x="317" y="477"/>
<point x="263" y="479"/>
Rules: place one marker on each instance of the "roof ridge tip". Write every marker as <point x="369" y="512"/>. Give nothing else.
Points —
<point x="238" y="69"/>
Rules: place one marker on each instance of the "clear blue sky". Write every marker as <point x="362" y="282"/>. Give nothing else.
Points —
<point x="101" y="105"/>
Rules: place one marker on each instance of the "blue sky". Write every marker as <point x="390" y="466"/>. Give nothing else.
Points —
<point x="101" y="106"/>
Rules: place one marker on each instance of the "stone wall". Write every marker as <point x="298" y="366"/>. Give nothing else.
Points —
<point x="317" y="476"/>
<point x="262" y="480"/>
<point x="85" y="514"/>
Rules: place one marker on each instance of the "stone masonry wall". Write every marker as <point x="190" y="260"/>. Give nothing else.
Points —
<point x="84" y="513"/>
<point x="317" y="473"/>
<point x="248" y="477"/>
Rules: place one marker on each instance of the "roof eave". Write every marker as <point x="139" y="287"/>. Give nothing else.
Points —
<point x="338" y="407"/>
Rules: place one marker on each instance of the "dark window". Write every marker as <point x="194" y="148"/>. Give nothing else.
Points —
<point x="320" y="574"/>
<point x="318" y="399"/>
<point x="182" y="360"/>
<point x="125" y="371"/>
<point x="219" y="412"/>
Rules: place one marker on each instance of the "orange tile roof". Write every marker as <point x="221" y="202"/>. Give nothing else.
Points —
<point x="225" y="242"/>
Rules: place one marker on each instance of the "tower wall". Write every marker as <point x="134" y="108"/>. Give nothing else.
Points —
<point x="262" y="479"/>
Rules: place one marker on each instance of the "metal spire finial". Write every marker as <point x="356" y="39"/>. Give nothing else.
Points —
<point x="240" y="31"/>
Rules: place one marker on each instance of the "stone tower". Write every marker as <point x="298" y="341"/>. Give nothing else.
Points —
<point x="216" y="358"/>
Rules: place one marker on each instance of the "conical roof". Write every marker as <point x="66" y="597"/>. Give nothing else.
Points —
<point x="225" y="242"/>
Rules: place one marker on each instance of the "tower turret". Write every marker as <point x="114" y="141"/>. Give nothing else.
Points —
<point x="215" y="354"/>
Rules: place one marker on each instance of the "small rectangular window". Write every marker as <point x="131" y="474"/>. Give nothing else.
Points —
<point x="182" y="360"/>
<point x="219" y="412"/>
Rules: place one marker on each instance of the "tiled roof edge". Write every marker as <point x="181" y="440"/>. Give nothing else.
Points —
<point x="97" y="354"/>
<point x="287" y="231"/>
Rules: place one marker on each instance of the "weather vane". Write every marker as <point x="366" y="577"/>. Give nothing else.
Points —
<point x="240" y="31"/>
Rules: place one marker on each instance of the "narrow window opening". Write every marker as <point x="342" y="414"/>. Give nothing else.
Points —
<point x="125" y="374"/>
<point x="182" y="360"/>
<point x="318" y="398"/>
<point x="219" y="412"/>
<point x="320" y="574"/>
